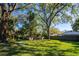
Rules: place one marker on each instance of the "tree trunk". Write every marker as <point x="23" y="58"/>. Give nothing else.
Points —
<point x="4" y="27"/>
<point x="30" y="32"/>
<point x="48" y="32"/>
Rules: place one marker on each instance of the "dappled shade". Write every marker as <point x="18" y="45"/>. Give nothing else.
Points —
<point x="40" y="48"/>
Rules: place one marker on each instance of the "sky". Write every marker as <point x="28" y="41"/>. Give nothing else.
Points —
<point x="64" y="27"/>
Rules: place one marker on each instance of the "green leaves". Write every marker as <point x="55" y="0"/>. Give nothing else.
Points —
<point x="75" y="26"/>
<point x="31" y="15"/>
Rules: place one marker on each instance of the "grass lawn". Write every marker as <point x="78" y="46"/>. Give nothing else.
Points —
<point x="40" y="48"/>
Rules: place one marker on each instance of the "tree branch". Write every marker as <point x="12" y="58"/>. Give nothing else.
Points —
<point x="53" y="10"/>
<point x="13" y="7"/>
<point x="42" y="19"/>
<point x="57" y="12"/>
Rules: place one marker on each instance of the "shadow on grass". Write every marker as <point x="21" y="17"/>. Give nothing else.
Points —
<point x="23" y="49"/>
<point x="74" y="43"/>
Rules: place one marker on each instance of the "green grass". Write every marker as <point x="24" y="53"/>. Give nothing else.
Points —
<point x="40" y="48"/>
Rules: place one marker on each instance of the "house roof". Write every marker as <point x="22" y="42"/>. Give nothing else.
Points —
<point x="71" y="33"/>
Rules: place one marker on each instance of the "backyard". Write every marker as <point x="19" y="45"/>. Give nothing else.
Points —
<point x="39" y="29"/>
<point x="40" y="48"/>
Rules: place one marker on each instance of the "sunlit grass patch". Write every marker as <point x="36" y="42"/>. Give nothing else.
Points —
<point x="65" y="46"/>
<point x="71" y="54"/>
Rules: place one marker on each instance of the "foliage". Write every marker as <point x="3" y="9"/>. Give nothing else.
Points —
<point x="55" y="31"/>
<point x="75" y="26"/>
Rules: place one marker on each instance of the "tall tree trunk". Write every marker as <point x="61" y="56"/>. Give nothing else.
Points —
<point x="4" y="27"/>
<point x="48" y="32"/>
<point x="30" y="32"/>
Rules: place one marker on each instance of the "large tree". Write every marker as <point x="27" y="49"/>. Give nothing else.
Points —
<point x="6" y="9"/>
<point x="48" y="13"/>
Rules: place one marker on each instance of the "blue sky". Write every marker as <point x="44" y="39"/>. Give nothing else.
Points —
<point x="64" y="27"/>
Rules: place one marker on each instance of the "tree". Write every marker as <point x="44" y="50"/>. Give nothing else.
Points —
<point x="30" y="19"/>
<point x="6" y="10"/>
<point x="55" y="31"/>
<point x="75" y="26"/>
<point x="48" y="13"/>
<point x="75" y="20"/>
<point x="28" y="22"/>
